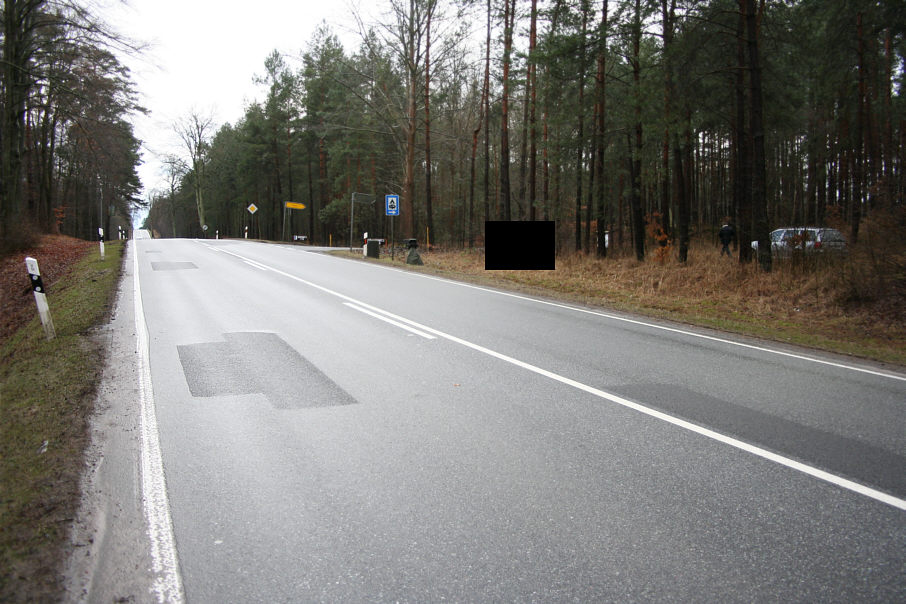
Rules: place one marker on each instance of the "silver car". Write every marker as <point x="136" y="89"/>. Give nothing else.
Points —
<point x="808" y="240"/>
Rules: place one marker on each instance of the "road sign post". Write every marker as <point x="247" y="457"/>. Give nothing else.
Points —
<point x="100" y="240"/>
<point x="252" y="209"/>
<point x="37" y="287"/>
<point x="290" y="205"/>
<point x="392" y="208"/>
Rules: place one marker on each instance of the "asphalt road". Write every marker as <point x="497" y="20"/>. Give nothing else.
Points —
<point x="337" y="431"/>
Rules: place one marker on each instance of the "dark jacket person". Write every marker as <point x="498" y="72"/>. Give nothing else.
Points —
<point x="726" y="234"/>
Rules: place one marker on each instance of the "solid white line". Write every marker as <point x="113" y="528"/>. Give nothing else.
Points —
<point x="389" y="320"/>
<point x="260" y="267"/>
<point x="684" y="332"/>
<point x="167" y="585"/>
<point x="839" y="481"/>
<point x="728" y="440"/>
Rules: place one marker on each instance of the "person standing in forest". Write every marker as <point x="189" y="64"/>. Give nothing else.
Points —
<point x="726" y="235"/>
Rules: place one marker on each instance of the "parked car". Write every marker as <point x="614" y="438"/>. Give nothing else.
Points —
<point x="808" y="240"/>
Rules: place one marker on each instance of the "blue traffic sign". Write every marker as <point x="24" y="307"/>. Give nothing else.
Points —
<point x="393" y="204"/>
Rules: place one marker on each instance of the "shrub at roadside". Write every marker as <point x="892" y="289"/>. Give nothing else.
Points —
<point x="876" y="273"/>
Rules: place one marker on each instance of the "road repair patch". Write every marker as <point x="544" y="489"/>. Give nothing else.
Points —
<point x="258" y="363"/>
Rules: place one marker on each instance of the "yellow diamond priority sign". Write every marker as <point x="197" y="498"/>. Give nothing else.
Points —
<point x="252" y="208"/>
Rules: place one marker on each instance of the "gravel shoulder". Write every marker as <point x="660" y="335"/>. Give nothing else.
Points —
<point x="109" y="559"/>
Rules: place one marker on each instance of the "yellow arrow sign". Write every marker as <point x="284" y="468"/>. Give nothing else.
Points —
<point x="292" y="205"/>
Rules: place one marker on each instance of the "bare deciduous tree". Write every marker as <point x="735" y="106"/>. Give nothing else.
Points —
<point x="195" y="131"/>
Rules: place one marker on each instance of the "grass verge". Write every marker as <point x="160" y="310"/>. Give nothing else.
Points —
<point x="47" y="392"/>
<point x="808" y="304"/>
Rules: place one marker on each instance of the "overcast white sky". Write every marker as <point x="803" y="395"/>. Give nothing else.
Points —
<point x="204" y="55"/>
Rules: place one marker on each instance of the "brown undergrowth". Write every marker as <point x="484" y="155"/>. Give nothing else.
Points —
<point x="47" y="390"/>
<point x="56" y="255"/>
<point x="851" y="304"/>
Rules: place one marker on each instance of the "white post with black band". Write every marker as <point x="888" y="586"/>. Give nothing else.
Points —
<point x="37" y="287"/>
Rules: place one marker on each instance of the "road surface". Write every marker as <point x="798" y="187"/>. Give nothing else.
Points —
<point x="320" y="429"/>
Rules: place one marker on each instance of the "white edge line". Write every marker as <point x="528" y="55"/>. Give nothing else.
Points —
<point x="839" y="481"/>
<point x="684" y="332"/>
<point x="389" y="320"/>
<point x="167" y="585"/>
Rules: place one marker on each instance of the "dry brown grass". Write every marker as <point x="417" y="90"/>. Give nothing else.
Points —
<point x="47" y="393"/>
<point x="56" y="255"/>
<point x="848" y="305"/>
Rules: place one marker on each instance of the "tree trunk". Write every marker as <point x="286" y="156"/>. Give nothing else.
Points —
<point x="279" y="209"/>
<point x="742" y="188"/>
<point x="312" y="210"/>
<point x="635" y="199"/>
<point x="429" y="209"/>
<point x="545" y="129"/>
<point x="580" y="142"/>
<point x="887" y="177"/>
<point x="289" y="163"/>
<point x="487" y="119"/>
<point x="859" y="171"/>
<point x="482" y="122"/>
<point x="621" y="218"/>
<point x="667" y="26"/>
<point x="759" y="190"/>
<point x="811" y="170"/>
<point x="682" y="200"/>
<point x="600" y="111"/>
<point x="682" y="193"/>
<point x="545" y="166"/>
<point x="590" y="199"/>
<point x="533" y="145"/>
<point x="508" y="19"/>
<point x="407" y="203"/>
<point x="523" y="145"/>
<point x="470" y="235"/>
<point x="18" y="47"/>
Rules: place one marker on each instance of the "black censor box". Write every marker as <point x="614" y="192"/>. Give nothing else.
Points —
<point x="520" y="245"/>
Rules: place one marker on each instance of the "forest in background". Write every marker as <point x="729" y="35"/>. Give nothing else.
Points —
<point x="653" y="121"/>
<point x="650" y="120"/>
<point x="68" y="155"/>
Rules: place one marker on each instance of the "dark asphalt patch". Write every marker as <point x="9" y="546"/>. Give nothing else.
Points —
<point x="841" y="455"/>
<point x="172" y="266"/>
<point x="258" y="363"/>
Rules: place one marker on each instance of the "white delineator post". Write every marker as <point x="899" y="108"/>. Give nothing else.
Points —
<point x="101" y="239"/>
<point x="37" y="287"/>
